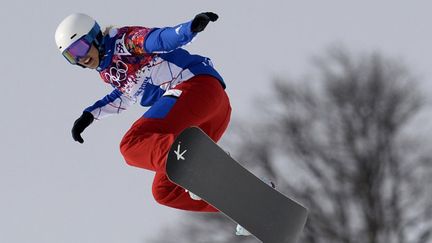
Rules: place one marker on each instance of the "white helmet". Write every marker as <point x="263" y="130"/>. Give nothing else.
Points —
<point x="73" y="28"/>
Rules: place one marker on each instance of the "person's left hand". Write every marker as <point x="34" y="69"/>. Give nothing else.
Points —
<point x="201" y="20"/>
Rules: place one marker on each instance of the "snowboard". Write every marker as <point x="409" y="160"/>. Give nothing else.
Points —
<point x="199" y="165"/>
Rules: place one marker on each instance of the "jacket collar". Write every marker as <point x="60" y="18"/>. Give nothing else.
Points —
<point x="107" y="49"/>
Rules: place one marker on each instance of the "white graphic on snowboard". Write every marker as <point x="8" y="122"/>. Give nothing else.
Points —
<point x="179" y="154"/>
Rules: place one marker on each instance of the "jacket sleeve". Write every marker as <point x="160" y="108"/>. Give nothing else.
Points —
<point x="113" y="103"/>
<point x="161" y="40"/>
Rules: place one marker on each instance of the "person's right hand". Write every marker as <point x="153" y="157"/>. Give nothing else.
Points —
<point x="80" y="124"/>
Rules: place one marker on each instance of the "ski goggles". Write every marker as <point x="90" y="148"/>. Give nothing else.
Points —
<point x="81" y="47"/>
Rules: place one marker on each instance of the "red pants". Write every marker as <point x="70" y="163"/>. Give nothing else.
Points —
<point x="202" y="103"/>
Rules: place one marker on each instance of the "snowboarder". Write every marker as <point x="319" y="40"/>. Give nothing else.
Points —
<point x="148" y="65"/>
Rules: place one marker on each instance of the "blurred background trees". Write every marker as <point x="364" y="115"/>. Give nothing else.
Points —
<point x="344" y="141"/>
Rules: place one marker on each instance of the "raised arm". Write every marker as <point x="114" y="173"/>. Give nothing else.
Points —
<point x="170" y="38"/>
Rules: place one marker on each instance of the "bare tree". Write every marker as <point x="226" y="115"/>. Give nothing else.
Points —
<point x="341" y="143"/>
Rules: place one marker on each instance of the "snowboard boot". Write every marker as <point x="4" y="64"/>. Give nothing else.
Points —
<point x="242" y="231"/>
<point x="193" y="196"/>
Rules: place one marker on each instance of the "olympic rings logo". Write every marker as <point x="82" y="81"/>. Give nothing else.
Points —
<point x="117" y="74"/>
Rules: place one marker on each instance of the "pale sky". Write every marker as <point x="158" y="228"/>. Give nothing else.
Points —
<point x="53" y="189"/>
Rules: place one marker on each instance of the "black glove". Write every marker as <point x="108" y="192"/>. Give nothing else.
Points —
<point x="80" y="124"/>
<point x="201" y="20"/>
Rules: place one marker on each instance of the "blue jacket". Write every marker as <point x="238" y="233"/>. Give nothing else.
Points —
<point x="142" y="64"/>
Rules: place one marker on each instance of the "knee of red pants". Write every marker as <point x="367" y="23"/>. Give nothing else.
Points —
<point x="169" y="194"/>
<point x="146" y="149"/>
<point x="184" y="202"/>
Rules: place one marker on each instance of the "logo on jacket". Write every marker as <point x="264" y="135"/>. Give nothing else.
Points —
<point x="177" y="30"/>
<point x="117" y="74"/>
<point x="120" y="47"/>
